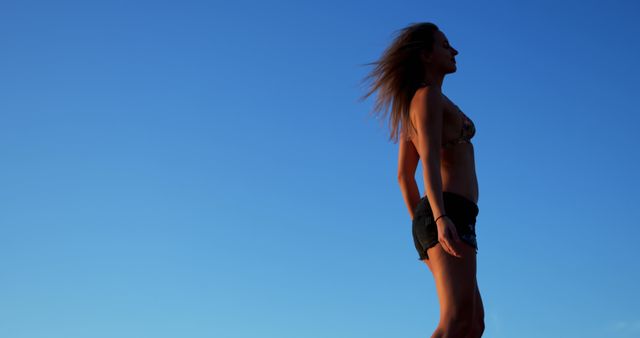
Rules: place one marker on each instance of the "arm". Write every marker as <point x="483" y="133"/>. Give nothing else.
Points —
<point x="407" y="163"/>
<point x="429" y="116"/>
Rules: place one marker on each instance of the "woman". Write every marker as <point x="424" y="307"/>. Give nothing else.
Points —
<point x="432" y="129"/>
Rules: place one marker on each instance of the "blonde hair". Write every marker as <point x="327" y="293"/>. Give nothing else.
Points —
<point x="398" y="73"/>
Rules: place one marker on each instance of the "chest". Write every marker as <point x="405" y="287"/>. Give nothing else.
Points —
<point x="452" y="120"/>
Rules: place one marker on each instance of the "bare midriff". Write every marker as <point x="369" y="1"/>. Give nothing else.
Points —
<point x="457" y="168"/>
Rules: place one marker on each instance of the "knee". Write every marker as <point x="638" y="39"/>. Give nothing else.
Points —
<point x="456" y="327"/>
<point x="477" y="329"/>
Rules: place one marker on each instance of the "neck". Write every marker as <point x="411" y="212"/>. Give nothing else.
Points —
<point x="434" y="79"/>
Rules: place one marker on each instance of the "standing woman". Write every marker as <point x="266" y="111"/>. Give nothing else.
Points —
<point x="432" y="129"/>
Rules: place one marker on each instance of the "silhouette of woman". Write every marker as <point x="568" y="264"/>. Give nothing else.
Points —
<point x="431" y="129"/>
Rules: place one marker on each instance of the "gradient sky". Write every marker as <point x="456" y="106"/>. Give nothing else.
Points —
<point x="205" y="169"/>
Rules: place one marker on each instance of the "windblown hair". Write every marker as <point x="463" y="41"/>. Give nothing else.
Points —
<point x="397" y="74"/>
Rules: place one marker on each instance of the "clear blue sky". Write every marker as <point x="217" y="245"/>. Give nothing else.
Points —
<point x="204" y="169"/>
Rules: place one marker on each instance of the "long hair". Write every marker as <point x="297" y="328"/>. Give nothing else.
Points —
<point x="397" y="73"/>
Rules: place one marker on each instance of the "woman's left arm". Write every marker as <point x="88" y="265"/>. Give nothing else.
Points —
<point x="407" y="163"/>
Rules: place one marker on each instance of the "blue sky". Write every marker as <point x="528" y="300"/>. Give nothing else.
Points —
<point x="205" y="169"/>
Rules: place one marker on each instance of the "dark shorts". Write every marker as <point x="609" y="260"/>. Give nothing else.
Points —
<point x="461" y="211"/>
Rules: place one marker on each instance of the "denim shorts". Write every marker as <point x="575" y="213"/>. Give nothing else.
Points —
<point x="461" y="211"/>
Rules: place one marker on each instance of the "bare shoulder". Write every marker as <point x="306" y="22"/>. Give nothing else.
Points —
<point x="427" y="100"/>
<point x="428" y="94"/>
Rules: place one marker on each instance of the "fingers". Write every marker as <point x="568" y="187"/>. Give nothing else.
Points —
<point x="447" y="248"/>
<point x="447" y="242"/>
<point x="454" y="250"/>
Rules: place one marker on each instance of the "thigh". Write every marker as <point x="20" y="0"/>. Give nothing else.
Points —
<point x="455" y="280"/>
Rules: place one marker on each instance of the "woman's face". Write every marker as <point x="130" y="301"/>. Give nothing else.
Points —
<point x="442" y="56"/>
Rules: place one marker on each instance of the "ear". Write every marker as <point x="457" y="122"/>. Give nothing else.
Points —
<point x="425" y="57"/>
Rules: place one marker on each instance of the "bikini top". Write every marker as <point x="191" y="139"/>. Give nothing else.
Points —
<point x="467" y="132"/>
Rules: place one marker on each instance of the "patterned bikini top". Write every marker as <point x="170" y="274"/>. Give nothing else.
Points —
<point x="467" y="132"/>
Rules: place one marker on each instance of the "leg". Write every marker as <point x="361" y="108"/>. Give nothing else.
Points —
<point x="455" y="280"/>
<point x="478" y="316"/>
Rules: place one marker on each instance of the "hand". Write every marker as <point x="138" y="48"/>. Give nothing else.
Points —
<point x="448" y="236"/>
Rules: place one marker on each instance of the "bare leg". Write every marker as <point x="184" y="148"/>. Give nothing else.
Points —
<point x="456" y="284"/>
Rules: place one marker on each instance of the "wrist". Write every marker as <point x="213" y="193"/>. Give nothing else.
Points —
<point x="439" y="217"/>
